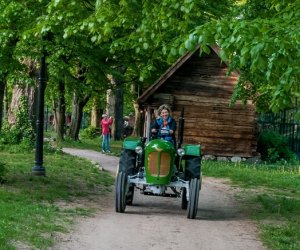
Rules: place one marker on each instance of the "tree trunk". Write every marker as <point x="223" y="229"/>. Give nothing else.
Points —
<point x="2" y="92"/>
<point x="110" y="101"/>
<point x="119" y="121"/>
<point x="76" y="118"/>
<point x="14" y="104"/>
<point x="31" y="93"/>
<point x="25" y="90"/>
<point x="32" y="90"/>
<point x="137" y="131"/>
<point x="138" y="116"/>
<point x="60" y="112"/>
<point x="18" y="92"/>
<point x="118" y="124"/>
<point x="6" y="103"/>
<point x="95" y="116"/>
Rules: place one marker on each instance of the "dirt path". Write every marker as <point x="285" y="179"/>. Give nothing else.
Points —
<point x="160" y="223"/>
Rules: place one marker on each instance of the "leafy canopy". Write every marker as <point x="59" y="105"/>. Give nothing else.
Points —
<point x="263" y="43"/>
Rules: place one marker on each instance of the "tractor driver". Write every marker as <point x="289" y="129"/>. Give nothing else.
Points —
<point x="164" y="126"/>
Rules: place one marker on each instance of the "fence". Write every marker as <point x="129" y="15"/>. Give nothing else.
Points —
<point x="283" y="123"/>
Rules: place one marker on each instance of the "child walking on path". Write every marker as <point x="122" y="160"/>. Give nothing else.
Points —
<point x="105" y="123"/>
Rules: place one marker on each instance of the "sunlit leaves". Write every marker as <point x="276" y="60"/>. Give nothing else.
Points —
<point x="164" y="25"/>
<point x="265" y="46"/>
<point x="15" y="19"/>
<point x="143" y="36"/>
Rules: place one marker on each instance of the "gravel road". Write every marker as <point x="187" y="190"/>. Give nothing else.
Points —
<point x="160" y="223"/>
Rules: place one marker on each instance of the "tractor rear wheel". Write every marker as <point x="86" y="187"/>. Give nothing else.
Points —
<point x="127" y="162"/>
<point x="193" y="198"/>
<point x="120" y="192"/>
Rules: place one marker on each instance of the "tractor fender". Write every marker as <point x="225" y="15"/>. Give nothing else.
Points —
<point x="192" y="161"/>
<point x="131" y="143"/>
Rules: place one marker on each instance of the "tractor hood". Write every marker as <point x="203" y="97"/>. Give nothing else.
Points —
<point x="159" y="161"/>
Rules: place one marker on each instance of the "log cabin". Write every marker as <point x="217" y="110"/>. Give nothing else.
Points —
<point x="199" y="85"/>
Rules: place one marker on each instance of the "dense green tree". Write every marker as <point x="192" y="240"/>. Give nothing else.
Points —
<point x="88" y="40"/>
<point x="66" y="57"/>
<point x="13" y="20"/>
<point x="262" y="42"/>
<point x="141" y="36"/>
<point x="100" y="37"/>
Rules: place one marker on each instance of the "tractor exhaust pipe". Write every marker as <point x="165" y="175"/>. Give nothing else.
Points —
<point x="180" y="129"/>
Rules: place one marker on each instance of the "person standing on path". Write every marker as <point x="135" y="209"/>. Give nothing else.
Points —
<point x="105" y="123"/>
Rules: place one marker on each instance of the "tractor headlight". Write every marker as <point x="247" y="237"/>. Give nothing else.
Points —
<point x="181" y="152"/>
<point x="138" y="149"/>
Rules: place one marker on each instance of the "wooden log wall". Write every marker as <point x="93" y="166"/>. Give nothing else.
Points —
<point x="201" y="87"/>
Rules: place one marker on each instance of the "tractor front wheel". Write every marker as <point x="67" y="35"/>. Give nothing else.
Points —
<point x="120" y="192"/>
<point x="130" y="194"/>
<point x="193" y="199"/>
<point x="184" y="201"/>
<point x="192" y="167"/>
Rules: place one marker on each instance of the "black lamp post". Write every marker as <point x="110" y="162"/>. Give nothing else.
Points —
<point x="38" y="168"/>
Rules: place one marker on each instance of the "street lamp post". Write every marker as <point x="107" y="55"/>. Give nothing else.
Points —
<point x="38" y="168"/>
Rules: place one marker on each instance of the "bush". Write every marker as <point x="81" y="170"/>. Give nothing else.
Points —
<point x="21" y="131"/>
<point x="274" y="147"/>
<point x="15" y="135"/>
<point x="89" y="133"/>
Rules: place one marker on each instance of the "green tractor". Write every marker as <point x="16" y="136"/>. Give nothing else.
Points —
<point x="159" y="168"/>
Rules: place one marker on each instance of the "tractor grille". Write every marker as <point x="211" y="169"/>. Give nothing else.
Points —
<point x="159" y="169"/>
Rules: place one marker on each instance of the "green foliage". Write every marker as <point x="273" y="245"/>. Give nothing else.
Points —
<point x="23" y="147"/>
<point x="145" y="36"/>
<point x="274" y="147"/>
<point x="88" y="133"/>
<point x="261" y="42"/>
<point x="86" y="41"/>
<point x="51" y="147"/>
<point x="22" y="131"/>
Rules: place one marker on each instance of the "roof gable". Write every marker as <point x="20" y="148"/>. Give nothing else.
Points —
<point x="169" y="72"/>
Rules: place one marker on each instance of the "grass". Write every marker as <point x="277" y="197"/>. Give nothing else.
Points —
<point x="30" y="210"/>
<point x="91" y="144"/>
<point x="271" y="195"/>
<point x="277" y="176"/>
